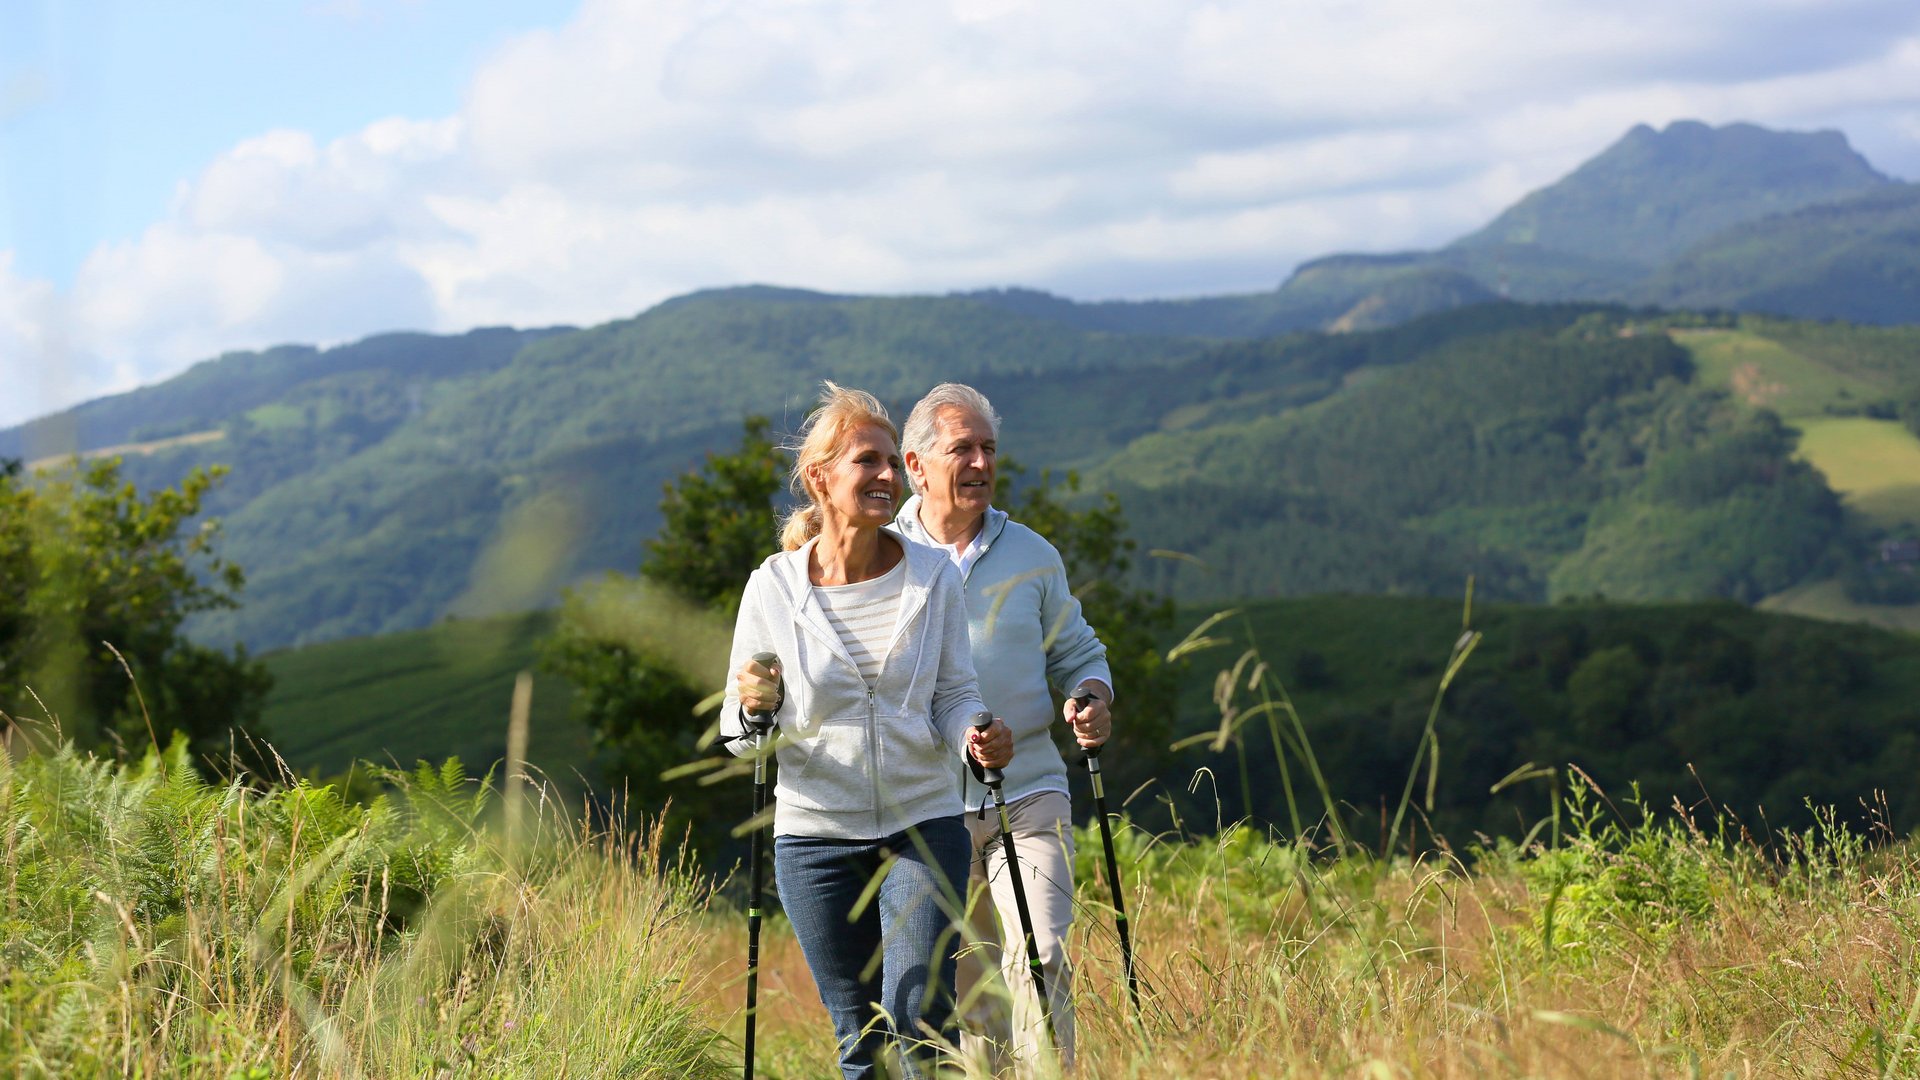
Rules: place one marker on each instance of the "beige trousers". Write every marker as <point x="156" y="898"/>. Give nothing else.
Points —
<point x="1001" y="1024"/>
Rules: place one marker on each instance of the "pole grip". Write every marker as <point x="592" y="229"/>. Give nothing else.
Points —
<point x="1084" y="697"/>
<point x="762" y="722"/>
<point x="991" y="777"/>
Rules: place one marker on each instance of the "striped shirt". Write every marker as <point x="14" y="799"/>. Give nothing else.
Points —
<point x="864" y="613"/>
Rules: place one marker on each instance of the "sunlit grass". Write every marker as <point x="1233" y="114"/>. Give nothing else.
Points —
<point x="1672" y="951"/>
<point x="1828" y="600"/>
<point x="159" y="925"/>
<point x="1766" y="374"/>
<point x="1873" y="464"/>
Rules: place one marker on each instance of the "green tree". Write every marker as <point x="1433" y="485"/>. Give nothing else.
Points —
<point x="718" y="522"/>
<point x="95" y="580"/>
<point x="1909" y="409"/>
<point x="1604" y="696"/>
<point x="639" y="707"/>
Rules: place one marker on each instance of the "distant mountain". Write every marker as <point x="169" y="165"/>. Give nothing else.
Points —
<point x="1736" y="217"/>
<point x="1856" y="259"/>
<point x="1376" y="423"/>
<point x="1535" y="446"/>
<point x="398" y="366"/>
<point x="1341" y="292"/>
<point x="1672" y="217"/>
<point x="1654" y="193"/>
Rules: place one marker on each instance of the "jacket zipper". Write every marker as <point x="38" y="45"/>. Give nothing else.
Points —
<point x="873" y="757"/>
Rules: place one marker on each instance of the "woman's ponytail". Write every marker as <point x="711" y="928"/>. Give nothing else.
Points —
<point x="802" y="525"/>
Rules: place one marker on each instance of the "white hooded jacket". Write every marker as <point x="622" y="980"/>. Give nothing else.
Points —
<point x="860" y="762"/>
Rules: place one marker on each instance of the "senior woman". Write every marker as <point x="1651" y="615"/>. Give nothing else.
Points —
<point x="879" y="692"/>
<point x="1028" y="636"/>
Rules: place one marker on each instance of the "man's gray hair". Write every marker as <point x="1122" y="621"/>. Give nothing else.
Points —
<point x="916" y="435"/>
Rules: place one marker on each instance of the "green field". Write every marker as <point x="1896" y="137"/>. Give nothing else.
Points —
<point x="1873" y="464"/>
<point x="423" y="694"/>
<point x="1828" y="600"/>
<point x="1766" y="374"/>
<point x="1813" y="376"/>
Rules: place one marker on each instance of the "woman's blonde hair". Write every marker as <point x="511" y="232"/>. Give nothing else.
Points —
<point x="842" y="411"/>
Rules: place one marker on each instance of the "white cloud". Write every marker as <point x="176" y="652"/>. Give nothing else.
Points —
<point x="32" y="352"/>
<point x="352" y="194"/>
<point x="1135" y="147"/>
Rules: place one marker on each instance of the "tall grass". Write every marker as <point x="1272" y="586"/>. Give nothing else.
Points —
<point x="1641" y="945"/>
<point x="156" y="924"/>
<point x="1615" y="939"/>
<point x="1644" y="944"/>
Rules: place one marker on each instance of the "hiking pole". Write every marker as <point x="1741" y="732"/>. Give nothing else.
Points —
<point x="993" y="778"/>
<point x="1082" y="698"/>
<point x="758" y="725"/>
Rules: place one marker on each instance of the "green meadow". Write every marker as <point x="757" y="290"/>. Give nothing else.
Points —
<point x="1874" y="465"/>
<point x="1829" y="600"/>
<point x="423" y="695"/>
<point x="1766" y="374"/>
<point x="1834" y="385"/>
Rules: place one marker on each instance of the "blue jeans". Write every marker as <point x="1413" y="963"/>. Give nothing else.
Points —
<point x="886" y="973"/>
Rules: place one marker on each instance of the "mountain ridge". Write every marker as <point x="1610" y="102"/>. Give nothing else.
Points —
<point x="1643" y="199"/>
<point x="381" y="485"/>
<point x="1347" y="291"/>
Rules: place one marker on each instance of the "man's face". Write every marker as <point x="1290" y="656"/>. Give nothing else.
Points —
<point x="955" y="474"/>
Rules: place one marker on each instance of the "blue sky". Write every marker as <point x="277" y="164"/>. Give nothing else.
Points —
<point x="179" y="180"/>
<point x="106" y="107"/>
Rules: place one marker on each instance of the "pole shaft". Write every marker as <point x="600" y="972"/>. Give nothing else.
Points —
<point x="1113" y="877"/>
<point x="756" y="882"/>
<point x="1034" y="966"/>
<point x="761" y="725"/>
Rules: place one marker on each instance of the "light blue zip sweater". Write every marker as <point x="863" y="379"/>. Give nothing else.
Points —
<point x="860" y="762"/>
<point x="1028" y="638"/>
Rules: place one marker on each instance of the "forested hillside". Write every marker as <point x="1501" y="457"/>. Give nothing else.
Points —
<point x="1856" y="259"/>
<point x="1695" y="701"/>
<point x="1553" y="450"/>
<point x="1377" y="423"/>
<point x="356" y="392"/>
<point x="1555" y="460"/>
<point x="1714" y="705"/>
<point x="369" y="493"/>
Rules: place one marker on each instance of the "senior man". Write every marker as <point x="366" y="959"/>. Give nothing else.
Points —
<point x="1028" y="638"/>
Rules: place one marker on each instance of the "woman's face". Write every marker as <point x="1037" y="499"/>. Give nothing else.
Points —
<point x="862" y="486"/>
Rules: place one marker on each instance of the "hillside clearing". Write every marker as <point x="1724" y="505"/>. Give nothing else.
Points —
<point x="1766" y="374"/>
<point x="1828" y="600"/>
<point x="143" y="449"/>
<point x="1873" y="464"/>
